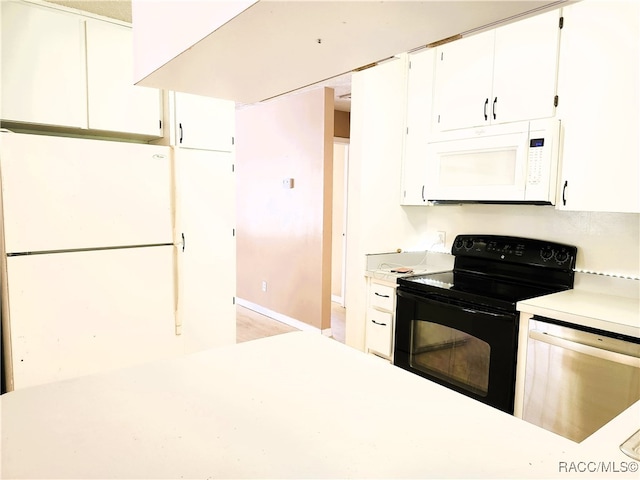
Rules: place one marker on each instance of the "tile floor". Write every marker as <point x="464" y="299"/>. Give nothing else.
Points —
<point x="251" y="325"/>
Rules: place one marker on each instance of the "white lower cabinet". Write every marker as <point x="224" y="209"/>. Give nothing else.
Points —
<point x="380" y="319"/>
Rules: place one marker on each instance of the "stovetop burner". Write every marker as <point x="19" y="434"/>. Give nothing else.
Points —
<point x="499" y="271"/>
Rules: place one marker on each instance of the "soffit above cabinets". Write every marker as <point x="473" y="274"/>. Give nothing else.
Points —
<point x="275" y="47"/>
<point x="118" y="9"/>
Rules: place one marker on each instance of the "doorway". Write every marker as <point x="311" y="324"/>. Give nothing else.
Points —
<point x="339" y="236"/>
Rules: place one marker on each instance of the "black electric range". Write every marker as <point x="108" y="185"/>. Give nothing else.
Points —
<point x="459" y="328"/>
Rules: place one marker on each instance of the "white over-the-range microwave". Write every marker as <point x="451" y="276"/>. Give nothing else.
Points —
<point x="506" y="163"/>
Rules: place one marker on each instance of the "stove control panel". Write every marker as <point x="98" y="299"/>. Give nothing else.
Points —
<point x="515" y="249"/>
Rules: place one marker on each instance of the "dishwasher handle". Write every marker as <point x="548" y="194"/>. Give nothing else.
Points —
<point x="597" y="352"/>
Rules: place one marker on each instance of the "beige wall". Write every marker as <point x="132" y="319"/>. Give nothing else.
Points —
<point x="284" y="235"/>
<point x="342" y="125"/>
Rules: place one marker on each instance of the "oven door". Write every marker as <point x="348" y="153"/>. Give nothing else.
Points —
<point x="463" y="346"/>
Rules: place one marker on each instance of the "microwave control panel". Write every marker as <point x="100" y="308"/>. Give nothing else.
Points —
<point x="536" y="159"/>
<point x="542" y="160"/>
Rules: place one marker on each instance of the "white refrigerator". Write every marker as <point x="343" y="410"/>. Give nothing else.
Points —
<point x="88" y="260"/>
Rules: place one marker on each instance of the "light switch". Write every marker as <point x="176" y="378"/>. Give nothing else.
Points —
<point x="287" y="183"/>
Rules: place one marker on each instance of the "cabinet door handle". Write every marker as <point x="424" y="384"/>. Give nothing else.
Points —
<point x="378" y="323"/>
<point x="495" y="100"/>
<point x="564" y="189"/>
<point x="180" y="126"/>
<point x="381" y="295"/>
<point x="486" y="103"/>
<point x="423" y="193"/>
<point x="183" y="242"/>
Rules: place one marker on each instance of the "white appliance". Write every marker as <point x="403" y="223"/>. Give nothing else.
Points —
<point x="88" y="258"/>
<point x="507" y="163"/>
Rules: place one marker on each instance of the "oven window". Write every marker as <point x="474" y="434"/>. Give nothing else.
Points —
<point x="451" y="355"/>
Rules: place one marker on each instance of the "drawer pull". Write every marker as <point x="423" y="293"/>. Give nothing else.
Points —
<point x="381" y="295"/>
<point x="378" y="323"/>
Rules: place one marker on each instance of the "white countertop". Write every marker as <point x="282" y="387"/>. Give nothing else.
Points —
<point x="380" y="265"/>
<point x="297" y="405"/>
<point x="597" y="310"/>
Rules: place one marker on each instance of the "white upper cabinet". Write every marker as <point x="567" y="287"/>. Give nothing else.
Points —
<point x="203" y="122"/>
<point x="503" y="75"/>
<point x="43" y="66"/>
<point x="115" y="103"/>
<point x="598" y="106"/>
<point x="419" y="110"/>
<point x="61" y="69"/>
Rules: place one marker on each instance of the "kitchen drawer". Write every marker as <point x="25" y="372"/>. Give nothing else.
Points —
<point x="382" y="296"/>
<point x="379" y="331"/>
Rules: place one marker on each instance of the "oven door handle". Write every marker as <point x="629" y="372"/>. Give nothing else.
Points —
<point x="485" y="312"/>
<point x="455" y="303"/>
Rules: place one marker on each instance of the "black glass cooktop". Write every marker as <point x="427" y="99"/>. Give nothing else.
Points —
<point x="499" y="271"/>
<point x="478" y="288"/>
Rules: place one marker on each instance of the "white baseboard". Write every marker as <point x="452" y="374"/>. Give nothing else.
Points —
<point x="280" y="317"/>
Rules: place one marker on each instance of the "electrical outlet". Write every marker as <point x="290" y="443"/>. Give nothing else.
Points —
<point x="442" y="237"/>
<point x="264" y="286"/>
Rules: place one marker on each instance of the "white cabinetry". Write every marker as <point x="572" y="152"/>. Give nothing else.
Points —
<point x="115" y="103"/>
<point x="206" y="260"/>
<point x="380" y="318"/>
<point x="60" y="69"/>
<point x="598" y="105"/>
<point x="204" y="123"/>
<point x="502" y="75"/>
<point x="419" y="111"/>
<point x="43" y="66"/>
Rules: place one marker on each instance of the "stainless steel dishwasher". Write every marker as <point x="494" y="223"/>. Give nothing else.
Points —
<point x="578" y="379"/>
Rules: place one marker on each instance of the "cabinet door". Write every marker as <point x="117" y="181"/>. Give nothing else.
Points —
<point x="115" y="103"/>
<point x="79" y="313"/>
<point x="598" y="106"/>
<point x="68" y="193"/>
<point x="525" y="69"/>
<point x="204" y="123"/>
<point x="464" y="72"/>
<point x="207" y="264"/>
<point x="43" y="67"/>
<point x="419" y="112"/>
